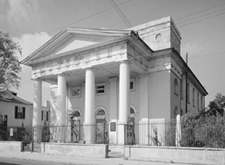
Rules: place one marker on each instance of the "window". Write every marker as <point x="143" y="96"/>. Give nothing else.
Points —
<point x="193" y="97"/>
<point x="20" y="112"/>
<point x="188" y="93"/>
<point x="181" y="88"/>
<point x="76" y="92"/>
<point x="198" y="100"/>
<point x="100" y="88"/>
<point x="175" y="86"/>
<point x="113" y="126"/>
<point x="101" y="113"/>
<point x="175" y="111"/>
<point x="76" y="114"/>
<point x="202" y="104"/>
<point x="132" y="84"/>
<point x="44" y="115"/>
<point x="181" y="112"/>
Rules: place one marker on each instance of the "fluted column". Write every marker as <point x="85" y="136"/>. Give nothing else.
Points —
<point x="124" y="99"/>
<point x="89" y="120"/>
<point x="37" y="104"/>
<point x="61" y="108"/>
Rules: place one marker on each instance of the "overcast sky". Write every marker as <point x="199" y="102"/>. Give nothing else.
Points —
<point x="201" y="24"/>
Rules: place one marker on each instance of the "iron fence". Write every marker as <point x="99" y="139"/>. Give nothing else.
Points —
<point x="153" y="134"/>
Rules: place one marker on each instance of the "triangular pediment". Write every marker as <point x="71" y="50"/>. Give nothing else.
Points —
<point x="76" y="44"/>
<point x="73" y="39"/>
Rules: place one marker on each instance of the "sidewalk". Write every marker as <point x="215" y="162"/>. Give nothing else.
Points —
<point x="38" y="157"/>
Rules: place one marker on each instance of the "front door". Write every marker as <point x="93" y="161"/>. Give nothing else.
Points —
<point x="131" y="131"/>
<point x="75" y="130"/>
<point x="100" y="130"/>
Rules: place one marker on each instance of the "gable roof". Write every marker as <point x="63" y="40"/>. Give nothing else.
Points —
<point x="99" y="35"/>
<point x="15" y="99"/>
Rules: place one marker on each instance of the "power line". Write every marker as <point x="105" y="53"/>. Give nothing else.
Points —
<point x="201" y="11"/>
<point x="149" y="12"/>
<point x="82" y="19"/>
<point x="210" y="54"/>
<point x="201" y="19"/>
<point x="15" y="36"/>
<point x="121" y="13"/>
<point x="200" y="16"/>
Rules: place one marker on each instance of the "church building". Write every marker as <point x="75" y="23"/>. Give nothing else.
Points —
<point x="104" y="79"/>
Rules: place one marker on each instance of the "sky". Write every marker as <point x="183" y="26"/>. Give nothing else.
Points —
<point x="201" y="23"/>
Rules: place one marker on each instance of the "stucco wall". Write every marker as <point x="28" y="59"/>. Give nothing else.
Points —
<point x="77" y="150"/>
<point x="10" y="146"/>
<point x="7" y="108"/>
<point x="176" y="154"/>
<point x="159" y="95"/>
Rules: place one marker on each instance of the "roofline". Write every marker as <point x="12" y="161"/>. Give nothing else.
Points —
<point x="105" y="32"/>
<point x="189" y="70"/>
<point x="10" y="101"/>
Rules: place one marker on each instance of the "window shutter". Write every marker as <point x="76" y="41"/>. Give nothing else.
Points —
<point x="16" y="112"/>
<point x="24" y="111"/>
<point x="42" y="115"/>
<point x="47" y="116"/>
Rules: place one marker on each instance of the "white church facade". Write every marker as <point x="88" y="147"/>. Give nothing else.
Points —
<point x="104" y="79"/>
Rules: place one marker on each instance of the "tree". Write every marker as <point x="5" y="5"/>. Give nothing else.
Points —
<point x="220" y="100"/>
<point x="9" y="63"/>
<point x="217" y="105"/>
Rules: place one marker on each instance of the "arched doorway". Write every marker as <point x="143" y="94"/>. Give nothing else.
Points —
<point x="101" y="130"/>
<point x="75" y="126"/>
<point x="131" y="127"/>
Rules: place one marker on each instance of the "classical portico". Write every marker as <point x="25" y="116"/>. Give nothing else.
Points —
<point x="84" y="55"/>
<point x="108" y="85"/>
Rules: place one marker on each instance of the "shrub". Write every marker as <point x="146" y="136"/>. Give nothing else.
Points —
<point x="203" y="131"/>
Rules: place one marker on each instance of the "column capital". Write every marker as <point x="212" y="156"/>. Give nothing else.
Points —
<point x="125" y="62"/>
<point x="143" y="75"/>
<point x="111" y="79"/>
<point x="36" y="79"/>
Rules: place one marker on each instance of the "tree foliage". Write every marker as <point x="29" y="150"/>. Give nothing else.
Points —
<point x="9" y="63"/>
<point x="205" y="128"/>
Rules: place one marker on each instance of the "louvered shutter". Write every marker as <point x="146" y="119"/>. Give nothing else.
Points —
<point x="24" y="112"/>
<point x="16" y="112"/>
<point x="42" y="115"/>
<point x="47" y="116"/>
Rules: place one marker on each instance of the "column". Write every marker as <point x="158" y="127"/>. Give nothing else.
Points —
<point x="37" y="104"/>
<point x="113" y="107"/>
<point x="61" y="107"/>
<point x="124" y="100"/>
<point x="144" y="113"/>
<point x="89" y="120"/>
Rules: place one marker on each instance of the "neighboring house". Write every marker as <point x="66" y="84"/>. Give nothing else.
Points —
<point x="104" y="79"/>
<point x="16" y="113"/>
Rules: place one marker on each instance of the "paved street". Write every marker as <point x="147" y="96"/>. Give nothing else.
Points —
<point x="8" y="161"/>
<point x="43" y="159"/>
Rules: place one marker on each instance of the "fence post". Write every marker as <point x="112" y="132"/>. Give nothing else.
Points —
<point x="32" y="142"/>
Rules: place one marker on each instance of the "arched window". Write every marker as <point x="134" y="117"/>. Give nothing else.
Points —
<point x="181" y="112"/>
<point x="175" y="111"/>
<point x="132" y="111"/>
<point x="76" y="114"/>
<point x="175" y="86"/>
<point x="193" y="97"/>
<point x="101" y="113"/>
<point x="188" y="93"/>
<point x="181" y="88"/>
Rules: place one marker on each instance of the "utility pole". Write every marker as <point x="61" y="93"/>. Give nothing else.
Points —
<point x="186" y="106"/>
